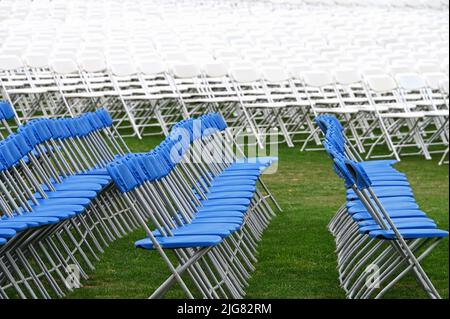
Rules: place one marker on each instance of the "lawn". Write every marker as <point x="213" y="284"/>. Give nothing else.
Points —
<point x="296" y="256"/>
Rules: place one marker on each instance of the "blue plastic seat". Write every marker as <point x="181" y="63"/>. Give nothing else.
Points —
<point x="69" y="194"/>
<point x="384" y="183"/>
<point x="392" y="214"/>
<point x="11" y="222"/>
<point x="102" y="180"/>
<point x="385" y="163"/>
<point x="220" y="220"/>
<point x="215" y="209"/>
<point x="96" y="171"/>
<point x="409" y="233"/>
<point x="405" y="225"/>
<point x="228" y="195"/>
<point x="63" y="201"/>
<point x="7" y="233"/>
<point x="213" y="214"/>
<point x="384" y="193"/>
<point x="389" y="207"/>
<point x="175" y="242"/>
<point x="16" y="226"/>
<point x="233" y="181"/>
<point x="264" y="160"/>
<point x="220" y="202"/>
<point x="370" y="222"/>
<point x="79" y="186"/>
<point x="222" y="230"/>
<point x="49" y="207"/>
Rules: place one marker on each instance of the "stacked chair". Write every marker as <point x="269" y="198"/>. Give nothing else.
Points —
<point x="381" y="234"/>
<point x="204" y="203"/>
<point x="59" y="209"/>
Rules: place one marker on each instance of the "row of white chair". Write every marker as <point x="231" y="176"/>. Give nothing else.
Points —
<point x="152" y="72"/>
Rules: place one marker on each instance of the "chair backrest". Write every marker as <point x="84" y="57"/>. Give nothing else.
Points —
<point x="317" y="78"/>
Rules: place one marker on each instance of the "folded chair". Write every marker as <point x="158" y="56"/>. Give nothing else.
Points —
<point x="380" y="228"/>
<point x="58" y="207"/>
<point x="208" y="212"/>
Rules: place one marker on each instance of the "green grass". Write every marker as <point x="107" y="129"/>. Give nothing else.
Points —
<point x="296" y="256"/>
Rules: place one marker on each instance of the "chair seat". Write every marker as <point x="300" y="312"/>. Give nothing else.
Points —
<point x="96" y="179"/>
<point x="220" y="220"/>
<point x="32" y="220"/>
<point x="243" y="173"/>
<point x="392" y="214"/>
<point x="385" y="193"/>
<point x="383" y="183"/>
<point x="232" y="181"/>
<point x="69" y="194"/>
<point x="378" y="177"/>
<point x="265" y="160"/>
<point x="49" y="207"/>
<point x="384" y="201"/>
<point x="336" y="110"/>
<point x="437" y="113"/>
<point x="378" y="162"/>
<point x="96" y="171"/>
<point x="175" y="242"/>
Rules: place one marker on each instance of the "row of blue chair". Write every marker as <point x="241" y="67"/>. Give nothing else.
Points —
<point x="208" y="210"/>
<point x="380" y="232"/>
<point x="59" y="209"/>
